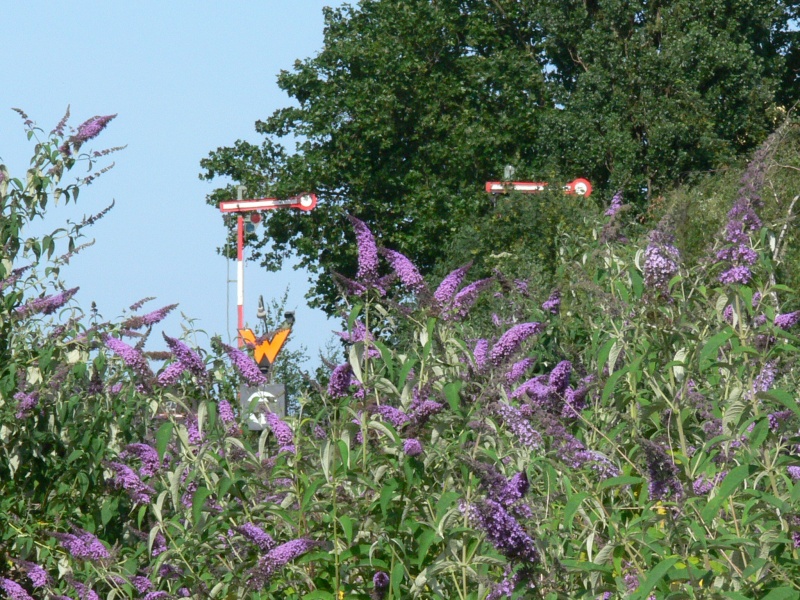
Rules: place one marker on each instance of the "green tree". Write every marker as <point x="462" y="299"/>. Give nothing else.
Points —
<point x="412" y="105"/>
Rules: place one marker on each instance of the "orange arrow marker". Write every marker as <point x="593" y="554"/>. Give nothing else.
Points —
<point x="267" y="349"/>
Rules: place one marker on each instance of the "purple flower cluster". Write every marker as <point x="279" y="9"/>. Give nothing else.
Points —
<point x="25" y="403"/>
<point x="511" y="340"/>
<point x="151" y="318"/>
<point x="258" y="536"/>
<point x="412" y="447"/>
<point x="662" y="472"/>
<point x="794" y="472"/>
<point x="661" y="262"/>
<point x="84" y="592"/>
<point x="765" y="378"/>
<point x="283" y="433"/>
<point x="245" y="365"/>
<point x="738" y="254"/>
<point x="47" y="305"/>
<point x="171" y="374"/>
<point x="703" y="485"/>
<point x="132" y="357"/>
<point x="367" y="251"/>
<point x="518" y="425"/>
<point x="406" y="271"/>
<point x="279" y="556"/>
<point x="393" y="415"/>
<point x="142" y="584"/>
<point x="14" y="590"/>
<point x="450" y="284"/>
<point x="225" y="412"/>
<point x="380" y="583"/>
<point x="126" y="478"/>
<point x="190" y="359"/>
<point x="504" y="531"/>
<point x="91" y="128"/>
<point x="616" y="204"/>
<point x="553" y="303"/>
<point x="519" y="368"/>
<point x="82" y="545"/>
<point x="788" y="320"/>
<point x="36" y="573"/>
<point x="341" y="380"/>
<point x="12" y="279"/>
<point x="465" y="298"/>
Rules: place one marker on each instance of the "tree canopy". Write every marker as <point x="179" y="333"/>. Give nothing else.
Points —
<point x="412" y="105"/>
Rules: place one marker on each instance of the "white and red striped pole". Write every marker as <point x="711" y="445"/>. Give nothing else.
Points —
<point x="240" y="271"/>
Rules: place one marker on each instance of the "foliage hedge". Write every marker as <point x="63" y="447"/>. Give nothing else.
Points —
<point x="633" y="434"/>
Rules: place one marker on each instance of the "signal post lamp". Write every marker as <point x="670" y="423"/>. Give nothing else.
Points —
<point x="240" y="206"/>
<point x="579" y="186"/>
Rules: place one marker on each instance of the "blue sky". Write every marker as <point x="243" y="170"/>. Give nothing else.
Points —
<point x="184" y="78"/>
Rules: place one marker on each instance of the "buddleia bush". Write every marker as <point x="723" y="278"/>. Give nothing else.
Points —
<point x="630" y="431"/>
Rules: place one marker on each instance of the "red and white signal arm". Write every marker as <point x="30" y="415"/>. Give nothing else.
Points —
<point x="304" y="202"/>
<point x="580" y="186"/>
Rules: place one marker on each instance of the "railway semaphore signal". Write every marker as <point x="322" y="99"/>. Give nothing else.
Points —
<point x="240" y="206"/>
<point x="579" y="186"/>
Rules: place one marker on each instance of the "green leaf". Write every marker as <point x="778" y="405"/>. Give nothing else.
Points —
<point x="785" y="398"/>
<point x="709" y="351"/>
<point x="622" y="480"/>
<point x="198" y="501"/>
<point x="572" y="506"/>
<point x="655" y="575"/>
<point x="319" y="595"/>
<point x="451" y="391"/>
<point x="386" y="355"/>
<point x="783" y="593"/>
<point x="398" y="573"/>
<point x="163" y="436"/>
<point x="347" y="527"/>
<point x="732" y="480"/>
<point x="425" y="540"/>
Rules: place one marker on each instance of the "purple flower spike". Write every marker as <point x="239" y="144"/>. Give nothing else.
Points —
<point x="25" y="403"/>
<point x="661" y="260"/>
<point x="47" y="305"/>
<point x="663" y="473"/>
<point x="511" y="340"/>
<point x="367" y="251"/>
<point x="616" y="204"/>
<point x="171" y="374"/>
<point x="246" y="366"/>
<point x="553" y="303"/>
<point x="412" y="447"/>
<point x="225" y="412"/>
<point x="14" y="590"/>
<point x="381" y="583"/>
<point x="82" y="545"/>
<point x="340" y="381"/>
<point x="126" y="478"/>
<point x="447" y="288"/>
<point x="91" y="128"/>
<point x="147" y="455"/>
<point x="504" y="532"/>
<point x="788" y="320"/>
<point x="258" y="536"/>
<point x="465" y="298"/>
<point x="283" y="433"/>
<point x="279" y="556"/>
<point x="132" y="357"/>
<point x="406" y="271"/>
<point x="187" y="357"/>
